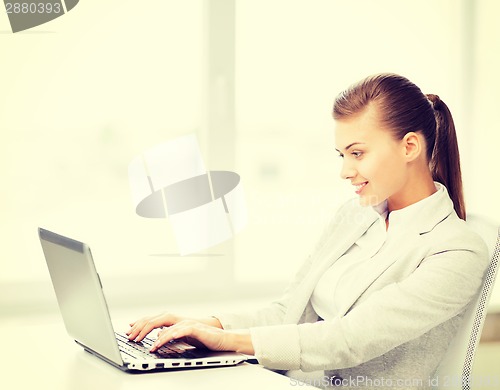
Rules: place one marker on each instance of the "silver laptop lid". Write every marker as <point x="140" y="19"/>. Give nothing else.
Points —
<point x="79" y="294"/>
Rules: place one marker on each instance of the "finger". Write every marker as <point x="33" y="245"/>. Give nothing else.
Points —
<point x="144" y="331"/>
<point x="172" y="333"/>
<point x="153" y="323"/>
<point x="159" y="332"/>
<point x="131" y="326"/>
<point x="140" y="326"/>
<point x="162" y="340"/>
<point x="134" y="327"/>
<point x="134" y="331"/>
<point x="141" y="320"/>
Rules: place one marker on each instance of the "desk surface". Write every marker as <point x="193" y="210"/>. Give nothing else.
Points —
<point x="42" y="354"/>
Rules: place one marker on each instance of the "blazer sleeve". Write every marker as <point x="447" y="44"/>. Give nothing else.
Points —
<point x="275" y="312"/>
<point x="439" y="289"/>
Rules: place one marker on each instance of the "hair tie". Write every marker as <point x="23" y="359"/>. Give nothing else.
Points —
<point x="435" y="101"/>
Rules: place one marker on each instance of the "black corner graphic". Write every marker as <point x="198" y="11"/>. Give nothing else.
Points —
<point x="70" y="4"/>
<point x="26" y="14"/>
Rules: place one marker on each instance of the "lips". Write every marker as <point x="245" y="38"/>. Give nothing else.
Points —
<point x="359" y="187"/>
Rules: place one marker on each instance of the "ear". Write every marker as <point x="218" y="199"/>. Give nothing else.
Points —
<point x="413" y="146"/>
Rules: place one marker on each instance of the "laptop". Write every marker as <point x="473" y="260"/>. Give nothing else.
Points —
<point x="86" y="317"/>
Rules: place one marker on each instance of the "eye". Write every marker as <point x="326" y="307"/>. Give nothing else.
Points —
<point x="357" y="154"/>
<point x="340" y="155"/>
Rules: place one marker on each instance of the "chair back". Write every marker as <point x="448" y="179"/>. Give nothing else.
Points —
<point x="454" y="371"/>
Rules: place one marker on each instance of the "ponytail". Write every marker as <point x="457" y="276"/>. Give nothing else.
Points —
<point x="445" y="159"/>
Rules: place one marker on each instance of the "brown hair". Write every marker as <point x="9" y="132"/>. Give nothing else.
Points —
<point x="403" y="108"/>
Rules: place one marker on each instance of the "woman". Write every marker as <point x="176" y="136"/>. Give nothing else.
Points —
<point x="384" y="292"/>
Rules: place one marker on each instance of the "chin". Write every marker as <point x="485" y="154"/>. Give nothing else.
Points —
<point x="370" y="200"/>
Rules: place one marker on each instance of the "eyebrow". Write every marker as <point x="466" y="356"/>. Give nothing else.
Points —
<point x="351" y="145"/>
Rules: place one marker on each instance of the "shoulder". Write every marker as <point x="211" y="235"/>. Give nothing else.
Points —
<point x="455" y="233"/>
<point x="454" y="239"/>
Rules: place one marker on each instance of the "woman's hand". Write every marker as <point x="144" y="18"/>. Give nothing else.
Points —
<point x="214" y="338"/>
<point x="141" y="328"/>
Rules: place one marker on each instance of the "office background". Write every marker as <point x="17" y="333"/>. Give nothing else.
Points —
<point x="255" y="81"/>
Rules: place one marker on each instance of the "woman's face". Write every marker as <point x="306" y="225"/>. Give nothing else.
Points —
<point x="373" y="160"/>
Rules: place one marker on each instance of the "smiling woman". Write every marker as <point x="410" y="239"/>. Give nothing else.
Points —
<point x="385" y="290"/>
<point x="79" y="101"/>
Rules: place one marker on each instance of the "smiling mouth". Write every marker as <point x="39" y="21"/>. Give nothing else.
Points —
<point x="359" y="187"/>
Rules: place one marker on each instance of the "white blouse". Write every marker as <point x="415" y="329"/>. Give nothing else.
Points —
<point x="333" y="287"/>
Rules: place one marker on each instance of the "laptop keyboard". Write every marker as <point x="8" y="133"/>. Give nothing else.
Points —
<point x="172" y="350"/>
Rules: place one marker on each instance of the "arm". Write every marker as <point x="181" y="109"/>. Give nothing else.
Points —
<point x="240" y="340"/>
<point x="439" y="289"/>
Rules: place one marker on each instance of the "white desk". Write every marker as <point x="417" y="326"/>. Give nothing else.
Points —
<point x="42" y="355"/>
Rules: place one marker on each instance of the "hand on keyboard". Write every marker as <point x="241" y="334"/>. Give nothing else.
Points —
<point x="206" y="332"/>
<point x="173" y="350"/>
<point x="210" y="337"/>
<point x="142" y="327"/>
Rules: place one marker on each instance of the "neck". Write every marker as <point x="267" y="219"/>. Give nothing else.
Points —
<point x="414" y="191"/>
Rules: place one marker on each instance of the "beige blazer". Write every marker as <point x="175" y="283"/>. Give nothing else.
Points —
<point x="401" y="315"/>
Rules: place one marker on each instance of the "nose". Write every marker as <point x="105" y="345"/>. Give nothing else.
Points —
<point x="347" y="171"/>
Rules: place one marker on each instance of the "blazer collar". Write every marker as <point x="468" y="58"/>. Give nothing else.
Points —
<point x="424" y="215"/>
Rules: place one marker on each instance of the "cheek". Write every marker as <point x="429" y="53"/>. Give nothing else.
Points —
<point x="375" y="167"/>
<point x="384" y="169"/>
<point x="385" y="176"/>
<point x="394" y="168"/>
<point x="395" y="174"/>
